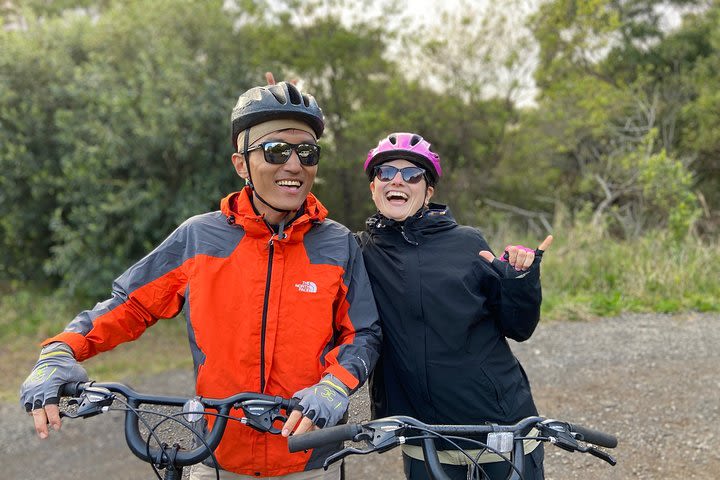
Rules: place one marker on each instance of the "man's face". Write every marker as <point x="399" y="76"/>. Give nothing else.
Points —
<point x="396" y="198"/>
<point x="284" y="186"/>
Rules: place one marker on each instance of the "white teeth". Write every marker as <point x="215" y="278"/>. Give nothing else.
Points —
<point x="289" y="183"/>
<point x="394" y="194"/>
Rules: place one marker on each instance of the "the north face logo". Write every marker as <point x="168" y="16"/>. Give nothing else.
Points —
<point x="308" y="287"/>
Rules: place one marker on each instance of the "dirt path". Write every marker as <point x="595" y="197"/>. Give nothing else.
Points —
<point x="651" y="380"/>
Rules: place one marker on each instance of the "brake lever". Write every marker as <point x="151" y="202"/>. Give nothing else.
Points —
<point x="349" y="451"/>
<point x="559" y="435"/>
<point x="261" y="415"/>
<point x="596" y="452"/>
<point x="93" y="401"/>
<point x="381" y="441"/>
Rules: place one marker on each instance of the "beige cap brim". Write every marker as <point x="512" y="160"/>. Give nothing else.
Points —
<point x="261" y="129"/>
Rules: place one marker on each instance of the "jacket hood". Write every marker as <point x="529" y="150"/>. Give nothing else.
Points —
<point x="238" y="209"/>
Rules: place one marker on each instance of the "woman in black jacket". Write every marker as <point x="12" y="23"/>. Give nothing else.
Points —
<point x="447" y="306"/>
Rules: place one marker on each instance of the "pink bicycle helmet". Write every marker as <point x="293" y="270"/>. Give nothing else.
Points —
<point x="408" y="146"/>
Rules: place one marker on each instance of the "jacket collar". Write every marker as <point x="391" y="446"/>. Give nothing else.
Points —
<point x="436" y="217"/>
<point x="238" y="209"/>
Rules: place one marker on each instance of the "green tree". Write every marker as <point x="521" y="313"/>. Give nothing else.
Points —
<point x="343" y="66"/>
<point x="700" y="117"/>
<point x="366" y="93"/>
<point x="477" y="60"/>
<point x="146" y="136"/>
<point x="35" y="64"/>
<point x="115" y="128"/>
<point x="610" y="78"/>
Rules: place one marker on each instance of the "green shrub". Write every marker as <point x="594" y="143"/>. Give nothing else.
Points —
<point x="586" y="274"/>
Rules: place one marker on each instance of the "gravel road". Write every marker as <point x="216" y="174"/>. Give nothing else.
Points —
<point x="652" y="380"/>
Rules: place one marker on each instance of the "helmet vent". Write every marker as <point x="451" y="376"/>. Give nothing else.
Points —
<point x="407" y="146"/>
<point x="279" y="95"/>
<point x="295" y="96"/>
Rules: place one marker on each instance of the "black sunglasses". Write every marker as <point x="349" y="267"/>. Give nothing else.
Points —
<point x="385" y="173"/>
<point x="278" y="153"/>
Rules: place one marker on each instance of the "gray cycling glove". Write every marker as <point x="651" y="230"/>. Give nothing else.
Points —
<point x="55" y="367"/>
<point x="325" y="403"/>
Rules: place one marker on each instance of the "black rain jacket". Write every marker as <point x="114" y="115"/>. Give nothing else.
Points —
<point x="446" y="316"/>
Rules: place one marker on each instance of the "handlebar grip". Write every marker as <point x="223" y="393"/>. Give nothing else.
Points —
<point x="73" y="389"/>
<point x="595" y="437"/>
<point x="292" y="404"/>
<point x="316" y="438"/>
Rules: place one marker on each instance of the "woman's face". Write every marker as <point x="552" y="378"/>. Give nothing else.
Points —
<point x="396" y="198"/>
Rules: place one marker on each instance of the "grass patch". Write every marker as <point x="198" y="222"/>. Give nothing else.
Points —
<point x="33" y="312"/>
<point x="27" y="318"/>
<point x="586" y="275"/>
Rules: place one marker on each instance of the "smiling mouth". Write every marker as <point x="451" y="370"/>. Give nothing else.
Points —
<point x="395" y="196"/>
<point x="289" y="183"/>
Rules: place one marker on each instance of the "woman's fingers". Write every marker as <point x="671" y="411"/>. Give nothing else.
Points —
<point x="546" y="243"/>
<point x="487" y="256"/>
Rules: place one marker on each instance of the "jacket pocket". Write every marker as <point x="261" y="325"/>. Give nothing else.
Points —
<point x="466" y="393"/>
<point x="501" y="399"/>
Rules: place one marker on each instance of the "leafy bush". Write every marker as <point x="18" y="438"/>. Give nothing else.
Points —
<point x="587" y="274"/>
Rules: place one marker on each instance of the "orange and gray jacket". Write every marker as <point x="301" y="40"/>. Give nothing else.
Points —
<point x="264" y="314"/>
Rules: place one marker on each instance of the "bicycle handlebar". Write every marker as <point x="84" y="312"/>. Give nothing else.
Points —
<point x="261" y="411"/>
<point x="386" y="433"/>
<point x="596" y="437"/>
<point x="316" y="438"/>
<point x="323" y="436"/>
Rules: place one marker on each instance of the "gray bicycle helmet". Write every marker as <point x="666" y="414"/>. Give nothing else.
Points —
<point x="282" y="100"/>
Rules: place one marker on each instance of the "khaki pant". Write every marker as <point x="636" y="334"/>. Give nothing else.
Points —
<point x="203" y="472"/>
<point x="454" y="457"/>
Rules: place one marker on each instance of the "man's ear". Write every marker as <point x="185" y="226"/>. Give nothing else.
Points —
<point x="240" y="165"/>
<point x="372" y="188"/>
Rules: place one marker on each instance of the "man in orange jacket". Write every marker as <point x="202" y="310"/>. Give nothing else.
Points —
<point x="276" y="297"/>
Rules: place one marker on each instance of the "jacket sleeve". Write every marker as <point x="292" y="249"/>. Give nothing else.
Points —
<point x="357" y="325"/>
<point x="151" y="289"/>
<point x="514" y="300"/>
<point x="520" y="300"/>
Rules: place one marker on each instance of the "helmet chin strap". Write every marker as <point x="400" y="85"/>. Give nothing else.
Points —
<point x="249" y="179"/>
